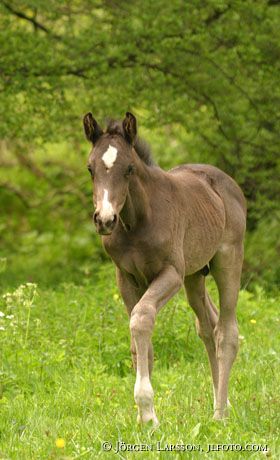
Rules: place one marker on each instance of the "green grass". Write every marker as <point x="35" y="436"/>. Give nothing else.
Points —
<point x="67" y="374"/>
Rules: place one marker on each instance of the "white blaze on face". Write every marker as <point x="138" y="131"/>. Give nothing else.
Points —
<point x="109" y="157"/>
<point x="106" y="211"/>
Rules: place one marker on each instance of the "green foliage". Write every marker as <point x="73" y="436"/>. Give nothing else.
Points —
<point x="19" y="302"/>
<point x="71" y="377"/>
<point x="262" y="255"/>
<point x="202" y="78"/>
<point x="208" y="67"/>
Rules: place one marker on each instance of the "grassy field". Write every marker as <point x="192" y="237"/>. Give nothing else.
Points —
<point x="67" y="381"/>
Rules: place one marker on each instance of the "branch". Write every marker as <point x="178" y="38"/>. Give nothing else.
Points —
<point x="27" y="163"/>
<point x="273" y="2"/>
<point x="17" y="192"/>
<point x="216" y="15"/>
<point x="198" y="95"/>
<point x="33" y="21"/>
<point x="229" y="77"/>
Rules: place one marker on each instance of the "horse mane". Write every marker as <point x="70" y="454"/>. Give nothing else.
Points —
<point x="141" y="147"/>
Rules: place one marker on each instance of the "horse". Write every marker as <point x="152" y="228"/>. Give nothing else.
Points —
<point x="164" y="230"/>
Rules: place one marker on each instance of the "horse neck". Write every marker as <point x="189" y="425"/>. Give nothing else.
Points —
<point x="137" y="205"/>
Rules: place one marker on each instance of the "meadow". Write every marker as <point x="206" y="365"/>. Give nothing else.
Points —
<point x="202" y="79"/>
<point x="67" y="379"/>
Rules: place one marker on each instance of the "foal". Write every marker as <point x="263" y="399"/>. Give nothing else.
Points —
<point x="163" y="230"/>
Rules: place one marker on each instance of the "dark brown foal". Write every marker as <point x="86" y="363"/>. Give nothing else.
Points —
<point x="162" y="230"/>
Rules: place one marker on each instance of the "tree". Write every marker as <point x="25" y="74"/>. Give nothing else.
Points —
<point x="204" y="73"/>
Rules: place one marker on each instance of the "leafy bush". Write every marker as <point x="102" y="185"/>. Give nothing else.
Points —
<point x="263" y="254"/>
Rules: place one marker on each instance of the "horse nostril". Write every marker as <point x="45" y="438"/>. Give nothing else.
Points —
<point x="104" y="224"/>
<point x="95" y="217"/>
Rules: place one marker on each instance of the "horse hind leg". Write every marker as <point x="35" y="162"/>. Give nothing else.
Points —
<point x="206" y="320"/>
<point x="226" y="269"/>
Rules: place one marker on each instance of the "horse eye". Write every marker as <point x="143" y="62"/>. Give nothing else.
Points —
<point x="90" y="170"/>
<point x="130" y="170"/>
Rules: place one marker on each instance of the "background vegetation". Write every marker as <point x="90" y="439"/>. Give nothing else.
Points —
<point x="202" y="77"/>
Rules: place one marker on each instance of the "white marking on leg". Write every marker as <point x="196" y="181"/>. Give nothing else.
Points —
<point x="144" y="396"/>
<point x="143" y="389"/>
<point x="109" y="157"/>
<point x="106" y="211"/>
<point x="215" y="400"/>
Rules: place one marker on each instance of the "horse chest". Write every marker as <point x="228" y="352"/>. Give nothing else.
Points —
<point x="140" y="258"/>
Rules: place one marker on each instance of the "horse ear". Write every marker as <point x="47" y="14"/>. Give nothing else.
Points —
<point x="130" y="127"/>
<point x="92" y="128"/>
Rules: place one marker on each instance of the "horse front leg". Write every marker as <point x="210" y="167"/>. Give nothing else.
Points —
<point x="142" y="322"/>
<point x="131" y="295"/>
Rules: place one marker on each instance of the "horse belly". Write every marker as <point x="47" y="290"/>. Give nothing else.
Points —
<point x="198" y="255"/>
<point x="204" y="234"/>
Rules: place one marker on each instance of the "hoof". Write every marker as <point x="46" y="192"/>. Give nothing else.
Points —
<point x="220" y="414"/>
<point x="148" y="417"/>
<point x="144" y="395"/>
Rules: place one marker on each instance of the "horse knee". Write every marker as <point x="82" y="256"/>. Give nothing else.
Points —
<point x="142" y="319"/>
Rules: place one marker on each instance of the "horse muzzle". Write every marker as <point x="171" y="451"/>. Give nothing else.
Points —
<point x="104" y="224"/>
